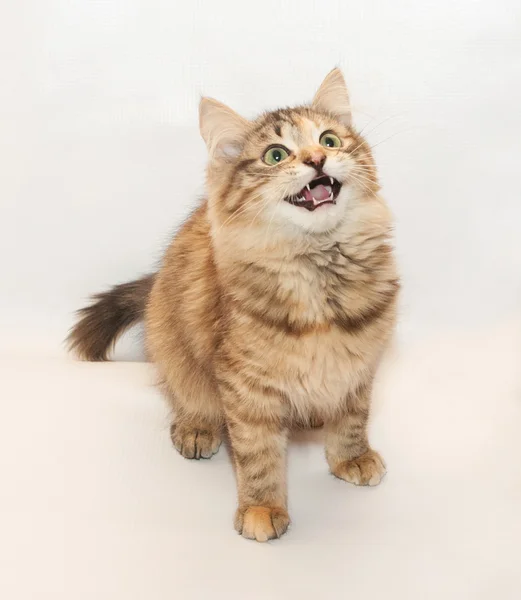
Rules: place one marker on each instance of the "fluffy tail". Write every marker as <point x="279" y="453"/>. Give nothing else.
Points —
<point x="111" y="312"/>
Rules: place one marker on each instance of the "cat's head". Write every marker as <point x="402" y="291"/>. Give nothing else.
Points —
<point x="298" y="167"/>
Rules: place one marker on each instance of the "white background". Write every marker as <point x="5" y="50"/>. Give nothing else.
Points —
<point x="100" y="160"/>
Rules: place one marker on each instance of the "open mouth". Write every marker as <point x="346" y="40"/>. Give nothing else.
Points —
<point x="318" y="192"/>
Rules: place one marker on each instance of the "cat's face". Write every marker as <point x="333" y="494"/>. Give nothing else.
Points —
<point x="305" y="167"/>
<point x="300" y="167"/>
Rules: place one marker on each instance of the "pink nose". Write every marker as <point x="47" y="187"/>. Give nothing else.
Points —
<point x="315" y="159"/>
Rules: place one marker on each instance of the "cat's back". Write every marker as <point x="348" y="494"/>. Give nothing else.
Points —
<point x="183" y="307"/>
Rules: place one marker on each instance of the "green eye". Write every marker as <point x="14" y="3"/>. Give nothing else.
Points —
<point x="330" y="140"/>
<point x="275" y="155"/>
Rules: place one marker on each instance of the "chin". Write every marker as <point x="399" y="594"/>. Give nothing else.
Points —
<point x="323" y="219"/>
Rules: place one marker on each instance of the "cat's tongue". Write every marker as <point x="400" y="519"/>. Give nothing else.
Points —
<point x="318" y="193"/>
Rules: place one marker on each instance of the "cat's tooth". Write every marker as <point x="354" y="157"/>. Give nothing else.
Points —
<point x="331" y="180"/>
<point x="330" y="196"/>
<point x="308" y="188"/>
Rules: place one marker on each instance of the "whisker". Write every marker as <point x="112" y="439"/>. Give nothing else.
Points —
<point x="379" y="124"/>
<point x="282" y="193"/>
<point x="389" y="137"/>
<point x="359" y="145"/>
<point x="239" y="211"/>
<point x="269" y="224"/>
<point x="264" y="204"/>
<point x="363" y="176"/>
<point x="370" y="191"/>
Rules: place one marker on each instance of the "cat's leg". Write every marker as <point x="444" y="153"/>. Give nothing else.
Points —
<point x="347" y="448"/>
<point x="259" y="438"/>
<point x="311" y="421"/>
<point x="196" y="430"/>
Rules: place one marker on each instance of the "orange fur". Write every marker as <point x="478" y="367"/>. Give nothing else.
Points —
<point x="263" y="314"/>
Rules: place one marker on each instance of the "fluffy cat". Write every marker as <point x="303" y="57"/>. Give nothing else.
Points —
<point x="274" y="301"/>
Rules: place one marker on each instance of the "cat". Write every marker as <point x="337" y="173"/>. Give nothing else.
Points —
<point x="273" y="303"/>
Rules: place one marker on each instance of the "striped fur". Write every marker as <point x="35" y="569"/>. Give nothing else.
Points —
<point x="262" y="315"/>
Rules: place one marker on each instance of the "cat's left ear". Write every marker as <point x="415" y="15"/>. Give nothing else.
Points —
<point x="223" y="130"/>
<point x="332" y="97"/>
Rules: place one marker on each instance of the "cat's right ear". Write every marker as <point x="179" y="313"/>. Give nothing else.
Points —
<point x="222" y="129"/>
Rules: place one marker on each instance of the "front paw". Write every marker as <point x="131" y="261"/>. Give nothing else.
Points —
<point x="193" y="442"/>
<point x="261" y="523"/>
<point x="366" y="469"/>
